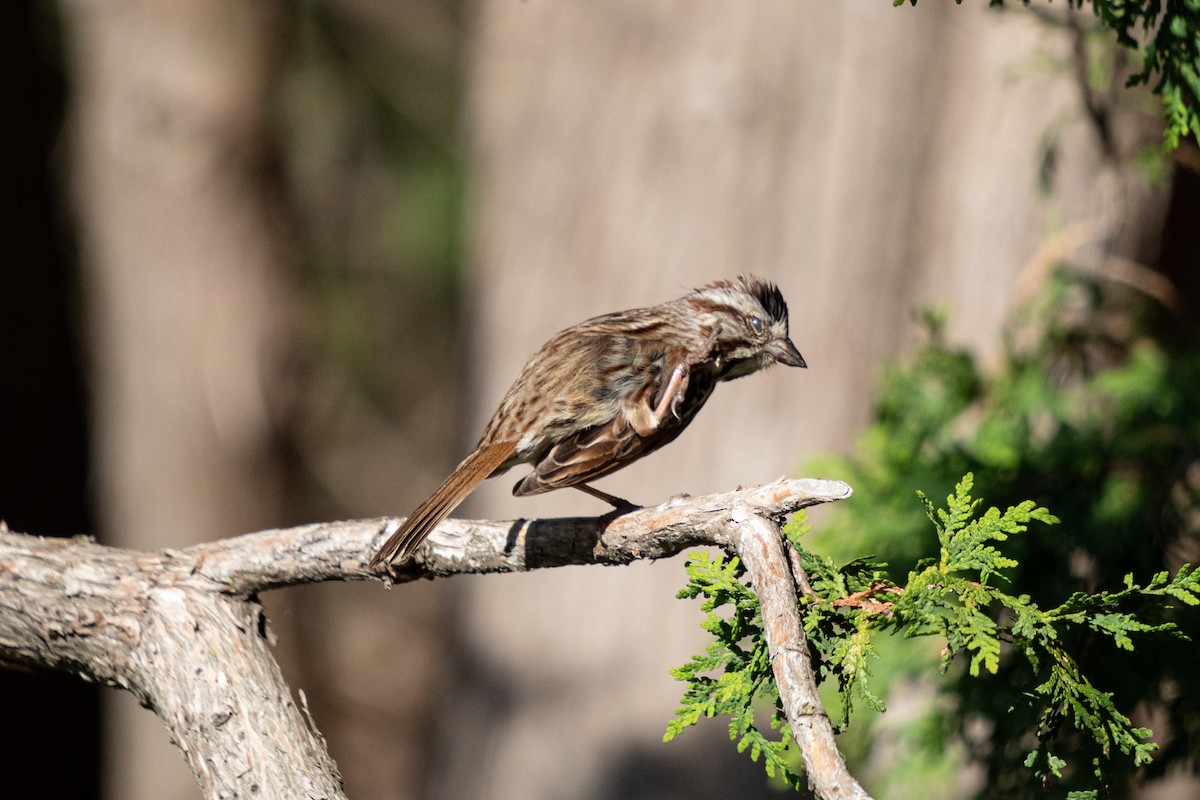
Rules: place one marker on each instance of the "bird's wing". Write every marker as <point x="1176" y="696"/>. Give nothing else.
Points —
<point x="601" y="449"/>
<point x="584" y="456"/>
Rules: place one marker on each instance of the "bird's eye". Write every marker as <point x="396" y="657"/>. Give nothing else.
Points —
<point x="757" y="324"/>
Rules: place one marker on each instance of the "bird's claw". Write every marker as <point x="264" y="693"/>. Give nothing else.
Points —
<point x="684" y="371"/>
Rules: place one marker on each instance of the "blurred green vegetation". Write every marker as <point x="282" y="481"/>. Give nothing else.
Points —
<point x="1094" y="412"/>
<point x="373" y="174"/>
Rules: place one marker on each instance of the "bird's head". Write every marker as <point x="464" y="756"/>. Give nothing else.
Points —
<point x="751" y="320"/>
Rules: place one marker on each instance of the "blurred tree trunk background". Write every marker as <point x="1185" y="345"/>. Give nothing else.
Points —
<point x="221" y="160"/>
<point x="278" y="326"/>
<point x="185" y="280"/>
<point x="871" y="161"/>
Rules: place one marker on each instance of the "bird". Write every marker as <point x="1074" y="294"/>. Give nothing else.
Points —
<point x="603" y="393"/>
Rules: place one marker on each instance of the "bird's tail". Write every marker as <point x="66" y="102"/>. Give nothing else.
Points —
<point x="460" y="483"/>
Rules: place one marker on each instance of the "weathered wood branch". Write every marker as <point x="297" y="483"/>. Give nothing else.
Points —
<point x="196" y="655"/>
<point x="183" y="630"/>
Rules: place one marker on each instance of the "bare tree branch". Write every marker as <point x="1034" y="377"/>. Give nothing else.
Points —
<point x="198" y="657"/>
<point x="183" y="631"/>
<point x="761" y="549"/>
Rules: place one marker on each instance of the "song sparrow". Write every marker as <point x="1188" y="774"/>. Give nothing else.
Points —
<point x="605" y="392"/>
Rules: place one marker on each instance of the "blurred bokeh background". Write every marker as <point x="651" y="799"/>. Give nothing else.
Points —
<point x="266" y="263"/>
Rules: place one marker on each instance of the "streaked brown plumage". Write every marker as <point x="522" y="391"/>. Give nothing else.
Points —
<point x="605" y="392"/>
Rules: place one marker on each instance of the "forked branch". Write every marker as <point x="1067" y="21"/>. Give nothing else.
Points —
<point x="182" y="629"/>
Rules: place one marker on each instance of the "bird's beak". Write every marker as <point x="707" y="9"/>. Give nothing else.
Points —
<point x="786" y="353"/>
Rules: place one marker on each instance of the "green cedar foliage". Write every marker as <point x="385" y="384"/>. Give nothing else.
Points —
<point x="953" y="597"/>
<point x="1054" y="641"/>
<point x="735" y="671"/>
<point x="1093" y="413"/>
<point x="1168" y="36"/>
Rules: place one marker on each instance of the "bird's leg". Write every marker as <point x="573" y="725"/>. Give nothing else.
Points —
<point x="676" y="388"/>
<point x="677" y="385"/>
<point x="612" y="500"/>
